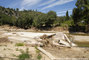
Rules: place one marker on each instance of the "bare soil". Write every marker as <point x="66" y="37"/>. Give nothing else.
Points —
<point x="9" y="49"/>
<point x="65" y="52"/>
<point x="4" y="40"/>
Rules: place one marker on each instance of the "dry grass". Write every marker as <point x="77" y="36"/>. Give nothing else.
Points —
<point x="4" y="40"/>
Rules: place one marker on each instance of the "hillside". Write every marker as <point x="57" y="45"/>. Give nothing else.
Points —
<point x="31" y="18"/>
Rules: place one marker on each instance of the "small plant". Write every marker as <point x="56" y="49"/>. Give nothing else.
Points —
<point x="19" y="44"/>
<point x="39" y="56"/>
<point x="24" y="55"/>
<point x="37" y="51"/>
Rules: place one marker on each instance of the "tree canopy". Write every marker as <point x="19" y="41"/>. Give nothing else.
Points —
<point x="28" y="18"/>
<point x="81" y="13"/>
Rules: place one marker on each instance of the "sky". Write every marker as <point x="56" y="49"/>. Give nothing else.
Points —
<point x="59" y="6"/>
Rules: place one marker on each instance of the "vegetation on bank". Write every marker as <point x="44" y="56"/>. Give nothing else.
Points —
<point x="78" y="21"/>
<point x="82" y="44"/>
<point x="31" y="18"/>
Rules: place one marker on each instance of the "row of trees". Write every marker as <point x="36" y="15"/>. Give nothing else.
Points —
<point x="30" y="18"/>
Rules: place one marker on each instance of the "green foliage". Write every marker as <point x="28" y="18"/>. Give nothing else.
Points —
<point x="37" y="51"/>
<point x="40" y="21"/>
<point x="39" y="56"/>
<point x="52" y="14"/>
<point x="5" y="19"/>
<point x="67" y="16"/>
<point x="81" y="13"/>
<point x="29" y="18"/>
<point x="24" y="21"/>
<point x="19" y="44"/>
<point x="67" y="23"/>
<point x="24" y="55"/>
<point x="51" y="18"/>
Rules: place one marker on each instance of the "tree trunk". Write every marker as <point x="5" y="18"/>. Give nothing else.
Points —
<point x="87" y="28"/>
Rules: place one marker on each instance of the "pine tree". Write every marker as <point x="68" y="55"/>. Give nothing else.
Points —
<point x="67" y="15"/>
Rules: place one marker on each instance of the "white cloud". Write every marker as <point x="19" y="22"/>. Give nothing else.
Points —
<point x="48" y="2"/>
<point x="29" y="3"/>
<point x="70" y="10"/>
<point x="62" y="13"/>
<point x="59" y="2"/>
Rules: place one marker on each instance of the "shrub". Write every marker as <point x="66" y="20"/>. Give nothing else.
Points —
<point x="19" y="44"/>
<point x="24" y="55"/>
<point x="39" y="56"/>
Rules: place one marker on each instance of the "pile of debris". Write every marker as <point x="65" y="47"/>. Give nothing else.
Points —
<point x="58" y="39"/>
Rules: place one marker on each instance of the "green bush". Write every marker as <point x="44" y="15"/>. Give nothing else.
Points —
<point x="67" y="23"/>
<point x="24" y="55"/>
<point x="39" y="56"/>
<point x="19" y="44"/>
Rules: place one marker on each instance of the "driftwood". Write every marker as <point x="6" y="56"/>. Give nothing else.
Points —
<point x="58" y="39"/>
<point x="47" y="37"/>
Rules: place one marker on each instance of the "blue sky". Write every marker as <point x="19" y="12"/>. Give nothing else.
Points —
<point x="59" y="6"/>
